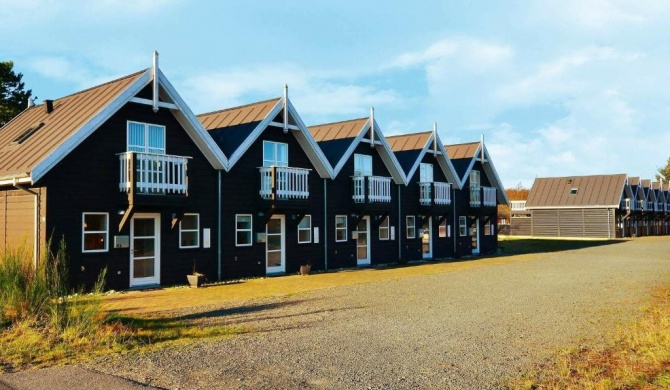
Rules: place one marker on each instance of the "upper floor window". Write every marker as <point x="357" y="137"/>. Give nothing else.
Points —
<point x="146" y="138"/>
<point x="362" y="165"/>
<point x="275" y="154"/>
<point x="426" y="173"/>
<point x="475" y="179"/>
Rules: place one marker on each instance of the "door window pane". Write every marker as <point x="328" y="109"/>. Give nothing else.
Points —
<point x="143" y="268"/>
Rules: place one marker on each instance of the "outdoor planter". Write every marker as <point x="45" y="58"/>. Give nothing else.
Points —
<point x="195" y="280"/>
<point x="305" y="269"/>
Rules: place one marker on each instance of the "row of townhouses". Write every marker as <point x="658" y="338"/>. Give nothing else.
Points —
<point x="597" y="206"/>
<point x="136" y="183"/>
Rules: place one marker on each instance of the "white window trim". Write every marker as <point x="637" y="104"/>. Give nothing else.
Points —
<point x="367" y="157"/>
<point x="274" y="144"/>
<point x="345" y="228"/>
<point x="407" y="226"/>
<point x="445" y="224"/>
<point x="250" y="230"/>
<point x="422" y="171"/>
<point x="475" y="173"/>
<point x="387" y="228"/>
<point x="308" y="229"/>
<point x="146" y="135"/>
<point x="462" y="223"/>
<point x="84" y="232"/>
<point x="196" y="230"/>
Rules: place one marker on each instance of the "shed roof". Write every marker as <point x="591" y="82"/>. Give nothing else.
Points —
<point x="577" y="191"/>
<point x="69" y="114"/>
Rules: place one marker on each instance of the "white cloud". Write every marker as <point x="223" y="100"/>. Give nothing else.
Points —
<point x="79" y="73"/>
<point x="603" y="15"/>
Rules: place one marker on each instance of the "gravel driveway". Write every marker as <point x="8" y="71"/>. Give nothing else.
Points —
<point x="468" y="329"/>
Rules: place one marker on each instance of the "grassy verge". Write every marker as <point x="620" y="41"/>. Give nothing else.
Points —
<point x="636" y="357"/>
<point x="519" y="246"/>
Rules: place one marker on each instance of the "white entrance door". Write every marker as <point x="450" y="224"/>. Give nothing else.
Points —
<point x="363" y="241"/>
<point x="427" y="239"/>
<point x="145" y="254"/>
<point x="275" y="245"/>
<point x="474" y="232"/>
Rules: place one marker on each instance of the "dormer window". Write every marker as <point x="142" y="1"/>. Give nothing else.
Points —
<point x="26" y="134"/>
<point x="573" y="191"/>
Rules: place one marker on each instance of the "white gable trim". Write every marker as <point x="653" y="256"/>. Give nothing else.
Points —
<point x="89" y="127"/>
<point x="350" y="150"/>
<point x="446" y="165"/>
<point x="490" y="171"/>
<point x="193" y="127"/>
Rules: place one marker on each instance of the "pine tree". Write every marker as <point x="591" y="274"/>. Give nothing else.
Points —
<point x="13" y="97"/>
<point x="664" y="172"/>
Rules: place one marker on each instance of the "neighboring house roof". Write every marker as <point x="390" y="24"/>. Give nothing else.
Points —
<point x="577" y="192"/>
<point x="410" y="149"/>
<point x="338" y="141"/>
<point x="231" y="126"/>
<point x="463" y="158"/>
<point x="634" y="181"/>
<point x="235" y="130"/>
<point x="75" y="117"/>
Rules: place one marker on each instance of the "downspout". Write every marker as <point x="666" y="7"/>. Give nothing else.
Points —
<point x="36" y="227"/>
<point x="325" y="224"/>
<point x="453" y="203"/>
<point x="399" y="227"/>
<point x="218" y="229"/>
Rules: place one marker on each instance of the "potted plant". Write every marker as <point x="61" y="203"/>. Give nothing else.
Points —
<point x="306" y="268"/>
<point x="195" y="279"/>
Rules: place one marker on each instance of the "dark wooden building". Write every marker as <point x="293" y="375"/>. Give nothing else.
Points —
<point x="427" y="198"/>
<point x="476" y="203"/>
<point x="123" y="172"/>
<point x="363" y="197"/>
<point x="273" y="190"/>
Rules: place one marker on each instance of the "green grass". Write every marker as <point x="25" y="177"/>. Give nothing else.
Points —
<point x="520" y="246"/>
<point x="637" y="356"/>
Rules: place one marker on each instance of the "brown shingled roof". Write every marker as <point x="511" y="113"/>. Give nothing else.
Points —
<point x="249" y="113"/>
<point x="597" y="190"/>
<point x="405" y="142"/>
<point x="338" y="130"/>
<point x="459" y="151"/>
<point x="68" y="115"/>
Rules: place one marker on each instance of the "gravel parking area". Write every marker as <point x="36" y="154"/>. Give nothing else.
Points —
<point x="467" y="329"/>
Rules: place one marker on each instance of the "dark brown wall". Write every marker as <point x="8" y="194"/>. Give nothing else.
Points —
<point x="87" y="180"/>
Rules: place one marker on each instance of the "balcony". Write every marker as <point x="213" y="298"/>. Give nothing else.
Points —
<point x="153" y="174"/>
<point x="372" y="190"/>
<point x="284" y="183"/>
<point x="639" y="205"/>
<point x="434" y="194"/>
<point x="518" y="205"/>
<point x="487" y="193"/>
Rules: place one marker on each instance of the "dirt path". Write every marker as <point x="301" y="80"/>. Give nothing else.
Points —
<point x="465" y="329"/>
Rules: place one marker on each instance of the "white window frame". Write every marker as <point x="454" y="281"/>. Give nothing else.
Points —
<point x="196" y="230"/>
<point x="345" y="228"/>
<point x="424" y="169"/>
<point x="308" y="229"/>
<point x="386" y="228"/>
<point x="409" y="226"/>
<point x="84" y="232"/>
<point x="361" y="162"/>
<point x="463" y="226"/>
<point x="275" y="147"/>
<point x="475" y="178"/>
<point x="250" y="229"/>
<point x="146" y="139"/>
<point x="439" y="229"/>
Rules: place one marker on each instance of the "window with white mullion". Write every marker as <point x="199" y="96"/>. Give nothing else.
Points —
<point x="362" y="165"/>
<point x="275" y="154"/>
<point x="426" y="173"/>
<point x="145" y="138"/>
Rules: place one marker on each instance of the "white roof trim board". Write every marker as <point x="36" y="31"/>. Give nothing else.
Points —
<point x="184" y="115"/>
<point x="443" y="161"/>
<point x="314" y="153"/>
<point x="490" y="171"/>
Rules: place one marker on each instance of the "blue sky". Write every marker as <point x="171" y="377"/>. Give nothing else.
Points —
<point x="557" y="87"/>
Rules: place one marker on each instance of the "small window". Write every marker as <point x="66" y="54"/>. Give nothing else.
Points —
<point x="573" y="191"/>
<point x="26" y="134"/>
<point x="243" y="230"/>
<point x="487" y="229"/>
<point x="95" y="232"/>
<point x="426" y="173"/>
<point x="275" y="154"/>
<point x="362" y="165"/>
<point x="475" y="179"/>
<point x="462" y="226"/>
<point x="189" y="231"/>
<point x="411" y="226"/>
<point x="340" y="228"/>
<point x="384" y="229"/>
<point x="305" y="230"/>
<point x="442" y="229"/>
<point x="145" y="138"/>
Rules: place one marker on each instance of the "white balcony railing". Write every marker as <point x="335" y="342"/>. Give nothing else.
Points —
<point x="434" y="193"/>
<point x="639" y="205"/>
<point x="284" y="183"/>
<point x="489" y="196"/>
<point x="155" y="174"/>
<point x="518" y="205"/>
<point x="372" y="189"/>
<point x="649" y="207"/>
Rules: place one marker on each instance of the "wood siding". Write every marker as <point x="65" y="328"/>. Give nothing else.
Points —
<point x="17" y="219"/>
<point x="578" y="223"/>
<point x="87" y="180"/>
